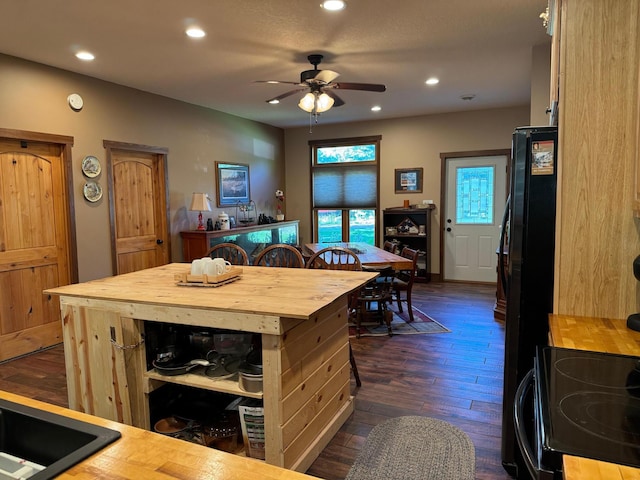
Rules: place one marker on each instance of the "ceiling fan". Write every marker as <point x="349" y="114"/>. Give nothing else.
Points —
<point x="321" y="88"/>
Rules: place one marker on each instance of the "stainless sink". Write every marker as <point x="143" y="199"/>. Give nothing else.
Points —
<point x="47" y="439"/>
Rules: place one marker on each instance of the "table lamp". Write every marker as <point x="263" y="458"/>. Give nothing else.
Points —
<point x="200" y="203"/>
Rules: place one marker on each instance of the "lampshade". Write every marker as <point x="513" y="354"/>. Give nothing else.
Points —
<point x="313" y="102"/>
<point x="200" y="203"/>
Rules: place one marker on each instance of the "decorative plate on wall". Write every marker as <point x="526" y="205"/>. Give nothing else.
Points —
<point x="91" y="166"/>
<point x="92" y="191"/>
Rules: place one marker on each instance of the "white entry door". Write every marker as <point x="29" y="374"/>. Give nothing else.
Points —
<point x="475" y="199"/>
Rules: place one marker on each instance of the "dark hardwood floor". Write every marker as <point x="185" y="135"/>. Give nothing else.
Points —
<point x="454" y="376"/>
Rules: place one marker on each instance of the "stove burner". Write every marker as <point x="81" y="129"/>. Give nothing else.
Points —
<point x="589" y="404"/>
<point x="597" y="372"/>
<point x="612" y="417"/>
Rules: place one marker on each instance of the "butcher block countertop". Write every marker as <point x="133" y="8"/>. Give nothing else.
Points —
<point x="267" y="292"/>
<point x="285" y="292"/>
<point x="598" y="335"/>
<point x="140" y="454"/>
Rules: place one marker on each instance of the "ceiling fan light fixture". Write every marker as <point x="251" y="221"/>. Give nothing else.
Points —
<point x="333" y="5"/>
<point x="307" y="102"/>
<point x="325" y="102"/>
<point x="313" y="102"/>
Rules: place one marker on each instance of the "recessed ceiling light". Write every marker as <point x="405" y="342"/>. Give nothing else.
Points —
<point x="195" y="32"/>
<point x="333" y="5"/>
<point x="86" y="56"/>
<point x="376" y="108"/>
<point x="275" y="101"/>
<point x="432" y="81"/>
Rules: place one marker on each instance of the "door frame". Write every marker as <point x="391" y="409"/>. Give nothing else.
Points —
<point x="162" y="154"/>
<point x="444" y="158"/>
<point x="65" y="142"/>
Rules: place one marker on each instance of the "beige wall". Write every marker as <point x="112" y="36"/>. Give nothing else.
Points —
<point x="406" y="142"/>
<point x="33" y="98"/>
<point x="540" y="84"/>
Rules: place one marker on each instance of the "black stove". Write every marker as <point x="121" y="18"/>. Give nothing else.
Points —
<point x="587" y="404"/>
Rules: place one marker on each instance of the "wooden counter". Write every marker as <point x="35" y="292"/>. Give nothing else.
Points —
<point x="147" y="455"/>
<point x="599" y="335"/>
<point x="301" y="316"/>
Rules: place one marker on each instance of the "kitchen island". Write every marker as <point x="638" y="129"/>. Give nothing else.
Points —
<point x="146" y="455"/>
<point x="598" y="335"/>
<point x="301" y="316"/>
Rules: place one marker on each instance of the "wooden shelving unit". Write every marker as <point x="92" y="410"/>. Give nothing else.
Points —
<point x="407" y="223"/>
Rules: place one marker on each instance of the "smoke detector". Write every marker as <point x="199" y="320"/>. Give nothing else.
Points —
<point x="468" y="97"/>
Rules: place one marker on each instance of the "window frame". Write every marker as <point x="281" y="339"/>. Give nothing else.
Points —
<point x="314" y="145"/>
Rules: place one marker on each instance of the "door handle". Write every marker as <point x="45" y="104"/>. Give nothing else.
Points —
<point x="159" y="241"/>
<point x="448" y="229"/>
<point x="503" y="238"/>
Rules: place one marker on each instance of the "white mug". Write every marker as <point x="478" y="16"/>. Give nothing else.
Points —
<point x="198" y="265"/>
<point x="218" y="266"/>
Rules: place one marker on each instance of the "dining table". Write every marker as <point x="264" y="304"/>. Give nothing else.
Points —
<point x="370" y="256"/>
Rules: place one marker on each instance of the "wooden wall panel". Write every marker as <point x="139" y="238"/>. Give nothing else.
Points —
<point x="597" y="237"/>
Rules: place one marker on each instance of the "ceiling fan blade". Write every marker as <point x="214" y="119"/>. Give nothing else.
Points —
<point x="326" y="76"/>
<point x="337" y="101"/>
<point x="369" y="87"/>
<point x="286" y="94"/>
<point x="276" y="82"/>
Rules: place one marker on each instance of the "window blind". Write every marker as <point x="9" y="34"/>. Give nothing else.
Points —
<point x="353" y="186"/>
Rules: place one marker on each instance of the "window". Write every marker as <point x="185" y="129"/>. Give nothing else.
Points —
<point x="344" y="189"/>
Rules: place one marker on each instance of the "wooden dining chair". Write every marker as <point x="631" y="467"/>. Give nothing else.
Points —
<point x="280" y="255"/>
<point x="231" y="252"/>
<point x="339" y="258"/>
<point x="389" y="246"/>
<point x="334" y="258"/>
<point x="378" y="293"/>
<point x="403" y="282"/>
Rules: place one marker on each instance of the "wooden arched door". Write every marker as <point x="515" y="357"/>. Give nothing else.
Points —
<point x="37" y="240"/>
<point x="138" y="206"/>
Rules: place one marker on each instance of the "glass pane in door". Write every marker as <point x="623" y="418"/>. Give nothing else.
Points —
<point x="475" y="193"/>
<point x="329" y="226"/>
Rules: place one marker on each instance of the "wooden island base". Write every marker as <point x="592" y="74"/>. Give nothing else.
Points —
<point x="300" y="314"/>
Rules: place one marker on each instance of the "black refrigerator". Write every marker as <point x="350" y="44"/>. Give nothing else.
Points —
<point x="528" y="229"/>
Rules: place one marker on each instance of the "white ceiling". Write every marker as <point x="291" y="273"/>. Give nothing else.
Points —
<point x="475" y="47"/>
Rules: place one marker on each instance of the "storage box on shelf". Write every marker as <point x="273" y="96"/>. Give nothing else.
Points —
<point x="253" y="239"/>
<point x="411" y="227"/>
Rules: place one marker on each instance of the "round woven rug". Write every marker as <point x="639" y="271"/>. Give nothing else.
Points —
<point x="416" y="448"/>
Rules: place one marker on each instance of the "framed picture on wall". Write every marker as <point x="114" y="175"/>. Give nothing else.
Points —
<point x="408" y="180"/>
<point x="232" y="182"/>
